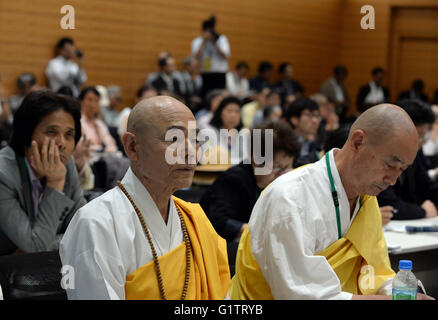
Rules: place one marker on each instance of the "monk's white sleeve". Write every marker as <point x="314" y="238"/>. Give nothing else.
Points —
<point x="282" y="242"/>
<point x="89" y="249"/>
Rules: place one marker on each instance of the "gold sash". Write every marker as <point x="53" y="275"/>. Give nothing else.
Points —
<point x="364" y="244"/>
<point x="209" y="275"/>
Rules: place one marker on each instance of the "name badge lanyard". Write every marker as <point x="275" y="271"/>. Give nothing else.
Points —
<point x="334" y="195"/>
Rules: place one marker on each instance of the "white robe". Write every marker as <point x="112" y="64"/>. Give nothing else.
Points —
<point x="293" y="220"/>
<point x="105" y="241"/>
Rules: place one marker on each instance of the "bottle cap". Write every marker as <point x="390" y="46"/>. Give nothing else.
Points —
<point x="405" y="265"/>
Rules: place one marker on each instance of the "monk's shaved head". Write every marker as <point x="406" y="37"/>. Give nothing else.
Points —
<point x="381" y="122"/>
<point x="152" y="113"/>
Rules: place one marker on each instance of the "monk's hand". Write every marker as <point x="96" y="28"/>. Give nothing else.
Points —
<point x="430" y="209"/>
<point x="386" y="212"/>
<point x="421" y="296"/>
<point x="47" y="163"/>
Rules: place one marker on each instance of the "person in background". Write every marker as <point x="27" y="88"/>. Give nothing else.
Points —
<point x="273" y="99"/>
<point x="250" y="109"/>
<point x="237" y="81"/>
<point x="414" y="195"/>
<point x="272" y="113"/>
<point x="165" y="82"/>
<point x="289" y="88"/>
<point x="329" y="118"/>
<point x="335" y="91"/>
<point x="416" y="92"/>
<point x="264" y="77"/>
<point x="39" y="183"/>
<point x="110" y="113"/>
<point x="304" y="116"/>
<point x="63" y="71"/>
<point x="374" y="92"/>
<point x="213" y="100"/>
<point x="93" y="128"/>
<point x="26" y="83"/>
<point x="229" y="201"/>
<point x="213" y="51"/>
<point x="192" y="83"/>
<point x="430" y="147"/>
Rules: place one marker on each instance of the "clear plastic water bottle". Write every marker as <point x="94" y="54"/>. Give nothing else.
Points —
<point x="404" y="284"/>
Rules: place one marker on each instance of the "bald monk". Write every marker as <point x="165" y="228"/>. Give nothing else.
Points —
<point x="316" y="233"/>
<point x="137" y="241"/>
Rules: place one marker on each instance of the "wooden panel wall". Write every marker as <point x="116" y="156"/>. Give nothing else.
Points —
<point x="120" y="39"/>
<point x="362" y="50"/>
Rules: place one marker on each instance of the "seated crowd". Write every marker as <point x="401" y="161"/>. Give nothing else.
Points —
<point x="56" y="140"/>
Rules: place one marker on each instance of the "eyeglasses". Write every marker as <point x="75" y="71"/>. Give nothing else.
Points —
<point x="312" y="115"/>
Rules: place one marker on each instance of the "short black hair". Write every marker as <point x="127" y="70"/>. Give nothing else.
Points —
<point x="337" y="138"/>
<point x="265" y="66"/>
<point x="63" y="41"/>
<point x="285" y="139"/>
<point x="35" y="107"/>
<point x="340" y="70"/>
<point x="282" y="67"/>
<point x="377" y="70"/>
<point x="65" y="90"/>
<point x="420" y="112"/>
<point x="296" y="108"/>
<point x="85" y="90"/>
<point x="216" y="121"/>
<point x="418" y="85"/>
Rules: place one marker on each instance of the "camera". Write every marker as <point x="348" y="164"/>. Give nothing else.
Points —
<point x="209" y="25"/>
<point x="79" y="53"/>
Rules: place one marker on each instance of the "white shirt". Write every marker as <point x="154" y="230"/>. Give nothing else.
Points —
<point x="211" y="59"/>
<point x="338" y="90"/>
<point x="237" y="86"/>
<point x="105" y="241"/>
<point x="376" y="94"/>
<point x="64" y="72"/>
<point x="293" y="220"/>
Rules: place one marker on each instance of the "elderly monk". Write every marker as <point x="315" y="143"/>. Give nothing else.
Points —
<point x="316" y="232"/>
<point x="137" y="241"/>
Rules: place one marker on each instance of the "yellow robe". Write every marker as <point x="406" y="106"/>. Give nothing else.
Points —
<point x="364" y="244"/>
<point x="209" y="272"/>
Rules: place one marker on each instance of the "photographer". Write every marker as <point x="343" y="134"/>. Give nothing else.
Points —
<point x="63" y="71"/>
<point x="213" y="51"/>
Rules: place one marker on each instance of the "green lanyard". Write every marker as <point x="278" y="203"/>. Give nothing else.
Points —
<point x="334" y="195"/>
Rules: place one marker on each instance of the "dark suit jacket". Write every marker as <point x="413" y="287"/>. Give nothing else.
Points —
<point x="412" y="188"/>
<point x="160" y="84"/>
<point x="19" y="226"/>
<point x="229" y="201"/>
<point x="362" y="94"/>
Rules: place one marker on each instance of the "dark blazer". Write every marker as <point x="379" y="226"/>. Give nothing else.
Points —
<point x="362" y="94"/>
<point x="19" y="226"/>
<point x="229" y="201"/>
<point x="412" y="188"/>
<point x="160" y="84"/>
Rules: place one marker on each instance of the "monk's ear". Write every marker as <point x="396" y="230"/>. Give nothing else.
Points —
<point x="130" y="146"/>
<point x="357" y="139"/>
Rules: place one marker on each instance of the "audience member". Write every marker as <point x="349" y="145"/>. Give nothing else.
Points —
<point x="304" y="116"/>
<point x="329" y="118"/>
<point x="26" y="82"/>
<point x="272" y="113"/>
<point x="414" y="195"/>
<point x="250" y="109"/>
<point x="430" y="147"/>
<point x="237" y="81"/>
<point x="335" y="91"/>
<point x="416" y="92"/>
<point x="290" y="89"/>
<point x="93" y="128"/>
<point x="213" y="51"/>
<point x="229" y="201"/>
<point x="192" y="83"/>
<point x="225" y="142"/>
<point x="374" y="92"/>
<point x="63" y="71"/>
<point x="213" y="99"/>
<point x="273" y="99"/>
<point x="165" y="82"/>
<point x="111" y="113"/>
<point x="264" y="77"/>
<point x="39" y="182"/>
